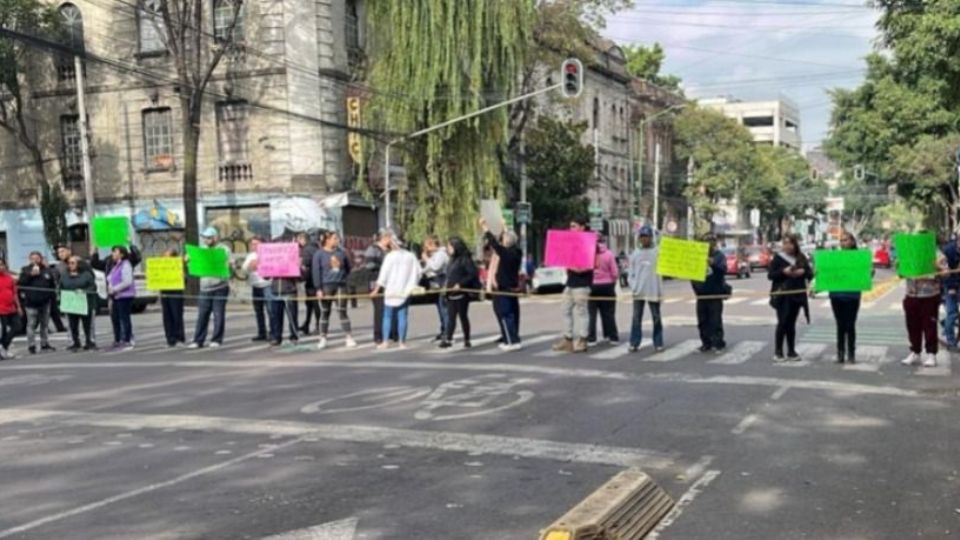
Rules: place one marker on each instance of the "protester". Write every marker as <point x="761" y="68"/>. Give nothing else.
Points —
<point x="646" y="286"/>
<point x="921" y="307"/>
<point x="331" y="266"/>
<point x="506" y="304"/>
<point x="9" y="310"/>
<point x="623" y="266"/>
<point x="435" y="261"/>
<point x="372" y="262"/>
<point x="399" y="276"/>
<point x="79" y="277"/>
<point x="603" y="294"/>
<point x="121" y="290"/>
<point x="951" y="290"/>
<point x="37" y="286"/>
<point x="710" y="296"/>
<point x="282" y="304"/>
<point x="845" y="306"/>
<point x="789" y="273"/>
<point x="308" y="248"/>
<point x="461" y="274"/>
<point x="61" y="255"/>
<point x="171" y="304"/>
<point x="576" y="295"/>
<point x="213" y="297"/>
<point x="258" y="288"/>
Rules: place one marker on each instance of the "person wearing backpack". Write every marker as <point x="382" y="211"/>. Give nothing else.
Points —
<point x="462" y="273"/>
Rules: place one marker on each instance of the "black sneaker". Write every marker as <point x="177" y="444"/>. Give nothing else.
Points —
<point x="793" y="357"/>
<point x="74" y="348"/>
<point x="47" y="347"/>
<point x="32" y="349"/>
<point x="445" y="345"/>
<point x="720" y="350"/>
<point x="705" y="349"/>
<point x="258" y="338"/>
<point x="90" y="347"/>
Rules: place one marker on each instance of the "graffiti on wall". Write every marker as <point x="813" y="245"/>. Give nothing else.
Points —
<point x="238" y="225"/>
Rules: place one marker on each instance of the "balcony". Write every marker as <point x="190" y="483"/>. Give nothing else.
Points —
<point x="235" y="172"/>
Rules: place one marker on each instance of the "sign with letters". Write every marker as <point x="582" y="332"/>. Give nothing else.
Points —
<point x="279" y="260"/>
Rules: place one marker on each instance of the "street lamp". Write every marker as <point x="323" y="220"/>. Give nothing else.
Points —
<point x="637" y="189"/>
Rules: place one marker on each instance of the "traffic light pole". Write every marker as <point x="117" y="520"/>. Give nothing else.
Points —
<point x="386" y="160"/>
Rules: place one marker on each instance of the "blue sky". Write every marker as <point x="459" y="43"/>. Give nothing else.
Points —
<point x="757" y="49"/>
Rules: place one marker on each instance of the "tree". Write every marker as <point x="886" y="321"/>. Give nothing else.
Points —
<point x="448" y="58"/>
<point x="927" y="173"/>
<point x="17" y="58"/>
<point x="646" y="62"/>
<point x="559" y="169"/>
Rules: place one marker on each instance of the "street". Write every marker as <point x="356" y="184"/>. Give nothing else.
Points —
<point x="246" y="441"/>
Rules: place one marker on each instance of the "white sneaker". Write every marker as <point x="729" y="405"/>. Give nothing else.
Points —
<point x="930" y="360"/>
<point x="214" y="345"/>
<point x="912" y="359"/>
<point x="503" y="347"/>
<point x="350" y="343"/>
<point x="513" y="347"/>
<point x="193" y="345"/>
<point x="322" y="344"/>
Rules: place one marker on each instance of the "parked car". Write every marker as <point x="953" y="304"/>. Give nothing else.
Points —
<point x="737" y="264"/>
<point x="758" y="257"/>
<point x="548" y="279"/>
<point x="881" y="257"/>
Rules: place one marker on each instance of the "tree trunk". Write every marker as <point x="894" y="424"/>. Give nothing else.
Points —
<point x="191" y="146"/>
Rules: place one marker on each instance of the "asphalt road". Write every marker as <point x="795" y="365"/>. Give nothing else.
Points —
<point x="251" y="442"/>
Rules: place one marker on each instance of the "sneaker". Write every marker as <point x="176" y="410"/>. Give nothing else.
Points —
<point x="274" y="343"/>
<point x="386" y="345"/>
<point x="778" y="358"/>
<point x="634" y="348"/>
<point x="851" y="360"/>
<point x="443" y="345"/>
<point x="438" y="337"/>
<point x="322" y="344"/>
<point x="514" y="347"/>
<point x="705" y="349"/>
<point x="930" y="360"/>
<point x="659" y="348"/>
<point x="215" y="344"/>
<point x="193" y="345"/>
<point x="580" y="346"/>
<point x="564" y="345"/>
<point x="793" y="357"/>
<point x="47" y="347"/>
<point x="258" y="338"/>
<point x="912" y="359"/>
<point x="90" y="347"/>
<point x="402" y="346"/>
<point x="466" y="345"/>
<point x="613" y="341"/>
<point x="74" y="348"/>
<point x="720" y="350"/>
<point x="32" y="349"/>
<point x="502" y="346"/>
<point x="350" y="343"/>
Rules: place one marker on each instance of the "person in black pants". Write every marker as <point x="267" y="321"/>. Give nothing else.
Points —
<point x="462" y="273"/>
<point x="308" y="248"/>
<point x="171" y="303"/>
<point x="789" y="273"/>
<point x="79" y="278"/>
<point x="507" y="305"/>
<point x="711" y="292"/>
<point x="846" y="306"/>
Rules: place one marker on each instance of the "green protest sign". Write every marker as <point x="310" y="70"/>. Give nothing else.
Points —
<point x="916" y="254"/>
<point x="207" y="262"/>
<point x="846" y="270"/>
<point x="111" y="231"/>
<point x="74" y="303"/>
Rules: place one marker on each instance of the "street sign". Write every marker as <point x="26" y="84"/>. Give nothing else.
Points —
<point x="755" y="217"/>
<point x="524" y="213"/>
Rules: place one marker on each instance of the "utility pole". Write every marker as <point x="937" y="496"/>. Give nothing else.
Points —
<point x="85" y="150"/>
<point x="689" y="206"/>
<point x="656" y="186"/>
<point x="523" y="200"/>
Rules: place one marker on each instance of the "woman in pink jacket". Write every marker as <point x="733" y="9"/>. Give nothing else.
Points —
<point x="603" y="294"/>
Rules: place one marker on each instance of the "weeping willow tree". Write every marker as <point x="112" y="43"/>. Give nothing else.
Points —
<point x="435" y="60"/>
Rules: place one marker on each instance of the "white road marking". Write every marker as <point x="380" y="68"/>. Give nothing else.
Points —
<point x="612" y="353"/>
<point x="683" y="502"/>
<point x="869" y="359"/>
<point x="736" y="300"/>
<point x="697" y="468"/>
<point x="740" y="353"/>
<point x="675" y="352"/>
<point x="409" y="438"/>
<point x="475" y="342"/>
<point x="136" y="492"/>
<point x="809" y="353"/>
<point x="527" y="342"/>
<point x="761" y="302"/>
<point x="345" y="529"/>
<point x="825" y="305"/>
<point x="674" y="300"/>
<point x="868" y="305"/>
<point x="778" y="393"/>
<point x="744" y="424"/>
<point x="896" y="306"/>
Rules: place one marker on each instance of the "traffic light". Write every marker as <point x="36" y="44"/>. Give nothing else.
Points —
<point x="859" y="173"/>
<point x="571" y="73"/>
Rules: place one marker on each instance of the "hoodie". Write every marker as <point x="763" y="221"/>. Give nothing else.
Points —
<point x="645" y="284"/>
<point x="606" y="270"/>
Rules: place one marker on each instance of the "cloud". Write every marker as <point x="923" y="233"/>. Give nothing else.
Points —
<point x="754" y="50"/>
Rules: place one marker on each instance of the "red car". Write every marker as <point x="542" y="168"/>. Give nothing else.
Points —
<point x="758" y="256"/>
<point x="881" y="257"/>
<point x="737" y="264"/>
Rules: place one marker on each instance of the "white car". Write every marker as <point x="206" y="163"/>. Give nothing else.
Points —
<point x="548" y="279"/>
<point x="143" y="299"/>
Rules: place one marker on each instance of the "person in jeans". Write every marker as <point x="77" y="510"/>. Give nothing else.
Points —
<point x="308" y="248"/>
<point x="331" y="266"/>
<point x="507" y="304"/>
<point x="372" y="262"/>
<point x="435" y="261"/>
<point x="710" y="295"/>
<point x="258" y="288"/>
<point x="921" y="307"/>
<point x="576" y="295"/>
<point x="121" y="290"/>
<point x="789" y="273"/>
<point x="461" y="274"/>
<point x="604" y="294"/>
<point x="951" y="290"/>
<point x="399" y="276"/>
<point x="9" y="310"/>
<point x="37" y="286"/>
<point x="171" y="304"/>
<point x="79" y="277"/>
<point x="213" y="297"/>
<point x="646" y="287"/>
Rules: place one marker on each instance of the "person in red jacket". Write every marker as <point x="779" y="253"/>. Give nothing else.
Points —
<point x="9" y="309"/>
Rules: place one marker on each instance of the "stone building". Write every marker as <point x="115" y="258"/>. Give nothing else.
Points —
<point x="269" y="130"/>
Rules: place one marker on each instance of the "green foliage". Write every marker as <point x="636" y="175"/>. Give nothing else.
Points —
<point x="646" y="62"/>
<point x="17" y="58"/>
<point x="436" y="60"/>
<point x="53" y="211"/>
<point x="559" y="171"/>
<point x="898" y="216"/>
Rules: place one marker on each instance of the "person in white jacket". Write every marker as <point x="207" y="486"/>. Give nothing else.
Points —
<point x="647" y="288"/>
<point x="399" y="276"/>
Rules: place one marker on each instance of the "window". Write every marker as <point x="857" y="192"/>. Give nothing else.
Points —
<point x="596" y="113"/>
<point x="71" y="158"/>
<point x="233" y="127"/>
<point x="151" y="25"/>
<point x="72" y="21"/>
<point x="158" y="139"/>
<point x="758" y="121"/>
<point x="352" y="25"/>
<point x="223" y="15"/>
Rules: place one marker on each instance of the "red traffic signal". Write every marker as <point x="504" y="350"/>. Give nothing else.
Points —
<point x="571" y="72"/>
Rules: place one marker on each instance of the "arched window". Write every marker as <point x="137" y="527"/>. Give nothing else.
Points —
<point x="223" y="14"/>
<point x="151" y="27"/>
<point x="72" y="37"/>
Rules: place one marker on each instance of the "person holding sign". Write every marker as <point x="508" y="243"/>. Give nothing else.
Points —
<point x="789" y="273"/>
<point x="78" y="279"/>
<point x="647" y="288"/>
<point x="710" y="295"/>
<point x="846" y="306"/>
<point x="259" y="289"/>
<point x="922" y="302"/>
<point x="214" y="290"/>
<point x="37" y="285"/>
<point x="121" y="290"/>
<point x="330" y="267"/>
<point x="9" y="310"/>
<point x="576" y="296"/>
<point x="604" y="293"/>
<point x="171" y="304"/>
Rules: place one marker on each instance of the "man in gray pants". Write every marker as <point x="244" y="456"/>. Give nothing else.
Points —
<point x="38" y="288"/>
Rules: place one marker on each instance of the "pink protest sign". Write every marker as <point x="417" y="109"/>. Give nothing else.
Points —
<point x="278" y="260"/>
<point x="571" y="249"/>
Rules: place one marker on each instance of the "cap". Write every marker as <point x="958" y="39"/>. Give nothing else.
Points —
<point x="646" y="230"/>
<point x="210" y="232"/>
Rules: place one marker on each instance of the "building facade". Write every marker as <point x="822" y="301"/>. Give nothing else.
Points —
<point x="269" y="130"/>
<point x="774" y="123"/>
